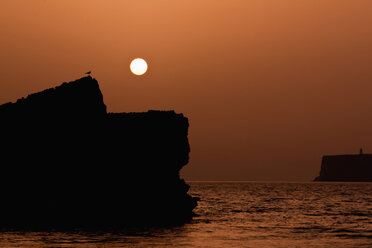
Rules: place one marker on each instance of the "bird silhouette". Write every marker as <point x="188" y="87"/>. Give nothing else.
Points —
<point x="89" y="72"/>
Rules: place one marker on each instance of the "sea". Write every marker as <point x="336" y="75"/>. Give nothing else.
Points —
<point x="240" y="214"/>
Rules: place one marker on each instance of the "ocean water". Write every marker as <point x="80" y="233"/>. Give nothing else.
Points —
<point x="242" y="214"/>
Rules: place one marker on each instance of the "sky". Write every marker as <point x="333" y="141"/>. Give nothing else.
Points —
<point x="269" y="86"/>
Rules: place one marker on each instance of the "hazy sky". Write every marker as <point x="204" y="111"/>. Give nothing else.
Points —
<point x="269" y="86"/>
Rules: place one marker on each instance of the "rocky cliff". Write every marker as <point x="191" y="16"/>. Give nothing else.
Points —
<point x="346" y="168"/>
<point x="66" y="162"/>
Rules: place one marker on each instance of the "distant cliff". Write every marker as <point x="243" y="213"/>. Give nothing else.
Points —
<point x="66" y="162"/>
<point x="346" y="168"/>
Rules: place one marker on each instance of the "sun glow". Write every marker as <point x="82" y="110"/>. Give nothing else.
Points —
<point x="138" y="66"/>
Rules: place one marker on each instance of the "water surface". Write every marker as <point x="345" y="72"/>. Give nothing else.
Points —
<point x="242" y="214"/>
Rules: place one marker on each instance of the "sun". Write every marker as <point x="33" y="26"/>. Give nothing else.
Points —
<point x="138" y="66"/>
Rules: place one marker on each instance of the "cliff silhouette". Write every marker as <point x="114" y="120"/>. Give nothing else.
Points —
<point x="66" y="162"/>
<point x="346" y="168"/>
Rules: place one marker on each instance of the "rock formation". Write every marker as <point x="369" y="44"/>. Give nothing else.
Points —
<point x="66" y="162"/>
<point x="346" y="168"/>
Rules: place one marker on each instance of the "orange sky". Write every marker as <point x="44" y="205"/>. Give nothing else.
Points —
<point x="269" y="86"/>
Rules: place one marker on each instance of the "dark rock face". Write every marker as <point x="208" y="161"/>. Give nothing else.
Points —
<point x="66" y="162"/>
<point x="346" y="168"/>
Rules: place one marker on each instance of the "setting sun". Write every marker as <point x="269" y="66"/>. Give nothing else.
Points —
<point x="138" y="66"/>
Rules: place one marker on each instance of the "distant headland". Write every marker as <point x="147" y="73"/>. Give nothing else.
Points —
<point x="68" y="163"/>
<point x="346" y="168"/>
